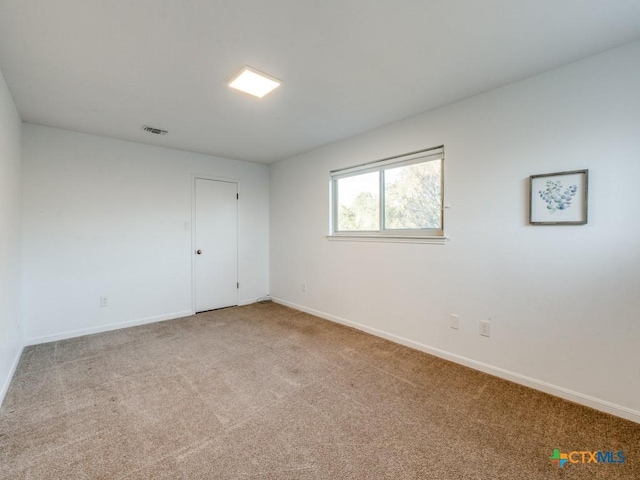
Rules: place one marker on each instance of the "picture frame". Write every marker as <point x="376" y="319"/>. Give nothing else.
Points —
<point x="559" y="198"/>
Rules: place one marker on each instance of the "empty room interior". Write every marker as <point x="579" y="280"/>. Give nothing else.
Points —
<point x="319" y="240"/>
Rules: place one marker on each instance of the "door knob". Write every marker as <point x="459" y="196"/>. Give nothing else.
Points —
<point x="198" y="252"/>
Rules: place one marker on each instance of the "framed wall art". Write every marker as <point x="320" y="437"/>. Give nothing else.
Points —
<point x="559" y="198"/>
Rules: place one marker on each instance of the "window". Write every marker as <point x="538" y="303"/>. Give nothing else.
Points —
<point x="397" y="197"/>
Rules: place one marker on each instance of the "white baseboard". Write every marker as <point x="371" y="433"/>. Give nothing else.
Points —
<point x="12" y="371"/>
<point x="248" y="301"/>
<point x="540" y="385"/>
<point x="106" y="328"/>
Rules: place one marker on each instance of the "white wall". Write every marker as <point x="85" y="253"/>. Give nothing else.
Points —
<point x="564" y="302"/>
<point x="10" y="213"/>
<point x="105" y="217"/>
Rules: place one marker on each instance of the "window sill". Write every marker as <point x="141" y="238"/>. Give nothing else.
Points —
<point x="433" y="240"/>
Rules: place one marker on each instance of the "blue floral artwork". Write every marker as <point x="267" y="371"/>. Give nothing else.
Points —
<point x="556" y="196"/>
<point x="559" y="198"/>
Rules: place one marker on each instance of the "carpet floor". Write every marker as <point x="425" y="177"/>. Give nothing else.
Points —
<point x="267" y="392"/>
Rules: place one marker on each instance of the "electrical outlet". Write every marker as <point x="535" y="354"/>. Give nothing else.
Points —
<point x="304" y="286"/>
<point x="454" y="321"/>
<point x="104" y="302"/>
<point x="485" y="328"/>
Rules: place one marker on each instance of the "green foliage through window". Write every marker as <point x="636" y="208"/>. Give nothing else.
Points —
<point x="359" y="202"/>
<point x="401" y="197"/>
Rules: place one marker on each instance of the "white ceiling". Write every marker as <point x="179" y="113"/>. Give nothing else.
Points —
<point x="108" y="67"/>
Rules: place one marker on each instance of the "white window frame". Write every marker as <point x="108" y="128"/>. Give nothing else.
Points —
<point x="425" y="235"/>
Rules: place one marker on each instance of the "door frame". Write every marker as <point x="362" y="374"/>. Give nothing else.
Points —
<point x="204" y="176"/>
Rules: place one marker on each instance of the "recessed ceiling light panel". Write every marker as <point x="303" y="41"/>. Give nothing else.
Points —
<point x="254" y="82"/>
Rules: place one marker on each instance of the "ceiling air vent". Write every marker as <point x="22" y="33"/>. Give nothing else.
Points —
<point x="154" y="130"/>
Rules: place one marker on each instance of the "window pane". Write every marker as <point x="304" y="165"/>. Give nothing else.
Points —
<point x="359" y="202"/>
<point x="413" y="196"/>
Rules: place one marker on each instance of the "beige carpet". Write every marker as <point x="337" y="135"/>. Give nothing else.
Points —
<point x="266" y="392"/>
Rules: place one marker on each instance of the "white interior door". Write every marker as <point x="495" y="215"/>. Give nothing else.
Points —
<point x="216" y="244"/>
